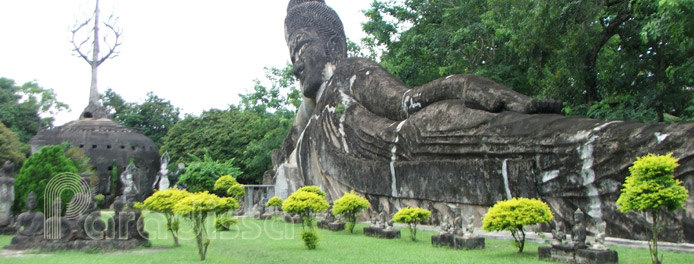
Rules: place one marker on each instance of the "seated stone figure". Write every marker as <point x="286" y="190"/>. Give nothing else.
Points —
<point x="31" y="223"/>
<point x="461" y="141"/>
<point x="57" y="227"/>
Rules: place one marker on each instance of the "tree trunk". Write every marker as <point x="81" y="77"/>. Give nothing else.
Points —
<point x="94" y="63"/>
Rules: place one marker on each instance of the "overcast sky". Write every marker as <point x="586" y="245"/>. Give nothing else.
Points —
<point x="199" y="54"/>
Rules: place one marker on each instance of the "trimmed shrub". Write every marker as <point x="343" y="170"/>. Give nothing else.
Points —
<point x="274" y="201"/>
<point x="512" y="215"/>
<point x="348" y="206"/>
<point x="312" y="189"/>
<point x="196" y="207"/>
<point x="164" y="202"/>
<point x="412" y="216"/>
<point x="227" y="186"/>
<point x="305" y="204"/>
<point x="652" y="188"/>
<point x="310" y="238"/>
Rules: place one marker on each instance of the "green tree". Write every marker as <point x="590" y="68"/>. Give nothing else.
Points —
<point x="652" y="188"/>
<point x="22" y="107"/>
<point x="202" y="175"/>
<point x="37" y="172"/>
<point x="196" y="207"/>
<point x="11" y="148"/>
<point x="163" y="202"/>
<point x="631" y="58"/>
<point x="349" y="205"/>
<point x="154" y="117"/>
<point x="512" y="215"/>
<point x="274" y="201"/>
<point x="412" y="216"/>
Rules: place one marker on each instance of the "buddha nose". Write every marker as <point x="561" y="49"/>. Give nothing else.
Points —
<point x="298" y="68"/>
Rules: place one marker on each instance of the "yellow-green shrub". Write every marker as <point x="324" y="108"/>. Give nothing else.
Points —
<point x="412" y="216"/>
<point x="512" y="215"/>
<point x="305" y="204"/>
<point x="196" y="207"/>
<point x="274" y="201"/>
<point x="163" y="202"/>
<point x="312" y="189"/>
<point x="652" y="188"/>
<point x="228" y="186"/>
<point x="349" y="205"/>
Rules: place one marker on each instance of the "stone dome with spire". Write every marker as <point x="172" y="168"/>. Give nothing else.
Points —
<point x="110" y="147"/>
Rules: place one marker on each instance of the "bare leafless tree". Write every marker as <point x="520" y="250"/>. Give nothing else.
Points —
<point x="91" y="52"/>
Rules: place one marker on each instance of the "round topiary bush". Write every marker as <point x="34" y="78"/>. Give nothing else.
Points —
<point x="512" y="215"/>
<point x="412" y="216"/>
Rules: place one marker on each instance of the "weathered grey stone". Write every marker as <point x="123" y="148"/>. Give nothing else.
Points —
<point x="381" y="233"/>
<point x="332" y="226"/>
<point x="592" y="256"/>
<point x="109" y="146"/>
<point x="469" y="243"/>
<point x="6" y="199"/>
<point x="462" y="141"/>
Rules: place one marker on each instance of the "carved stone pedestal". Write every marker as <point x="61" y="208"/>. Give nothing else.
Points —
<point x="334" y="226"/>
<point x="8" y="230"/>
<point x="469" y="243"/>
<point x="457" y="242"/>
<point x="381" y="233"/>
<point x="591" y="256"/>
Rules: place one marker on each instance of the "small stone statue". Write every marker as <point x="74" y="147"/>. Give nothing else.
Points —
<point x="382" y="219"/>
<point x="389" y="224"/>
<point x="458" y="225"/>
<point x="374" y="220"/>
<point x="6" y="196"/>
<point x="470" y="227"/>
<point x="162" y="180"/>
<point x="127" y="179"/>
<point x="445" y="226"/>
<point x="57" y="227"/>
<point x="599" y="243"/>
<point x="559" y="235"/>
<point x="7" y="169"/>
<point x="30" y="220"/>
<point x="578" y="233"/>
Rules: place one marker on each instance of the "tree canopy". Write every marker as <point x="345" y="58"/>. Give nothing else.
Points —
<point x="22" y="107"/>
<point x="154" y="117"/>
<point x="605" y="59"/>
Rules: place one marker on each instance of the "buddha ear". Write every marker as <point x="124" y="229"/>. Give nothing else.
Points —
<point x="334" y="47"/>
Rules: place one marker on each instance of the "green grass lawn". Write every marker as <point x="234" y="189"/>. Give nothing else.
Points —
<point x="254" y="241"/>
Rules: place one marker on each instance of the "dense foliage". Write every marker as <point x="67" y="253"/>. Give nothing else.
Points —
<point x="37" y="172"/>
<point x="196" y="208"/>
<point x="246" y="133"/>
<point x="512" y="215"/>
<point x="11" y="148"/>
<point x="312" y="189"/>
<point x="227" y="186"/>
<point x="348" y="206"/>
<point x="606" y="59"/>
<point x="411" y="217"/>
<point x="154" y="117"/>
<point x="201" y="175"/>
<point x="21" y="107"/>
<point x="652" y="188"/>
<point x="163" y="202"/>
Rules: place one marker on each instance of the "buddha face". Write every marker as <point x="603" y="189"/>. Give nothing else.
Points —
<point x="308" y="54"/>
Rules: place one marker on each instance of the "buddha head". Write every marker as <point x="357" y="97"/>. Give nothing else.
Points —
<point x="316" y="39"/>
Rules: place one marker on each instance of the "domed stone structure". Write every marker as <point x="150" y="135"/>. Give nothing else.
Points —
<point x="110" y="146"/>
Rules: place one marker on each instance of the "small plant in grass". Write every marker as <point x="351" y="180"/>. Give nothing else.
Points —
<point x="163" y="202"/>
<point x="412" y="216"/>
<point x="652" y="188"/>
<point x="348" y="206"/>
<point x="196" y="207"/>
<point x="512" y="215"/>
<point x="310" y="238"/>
